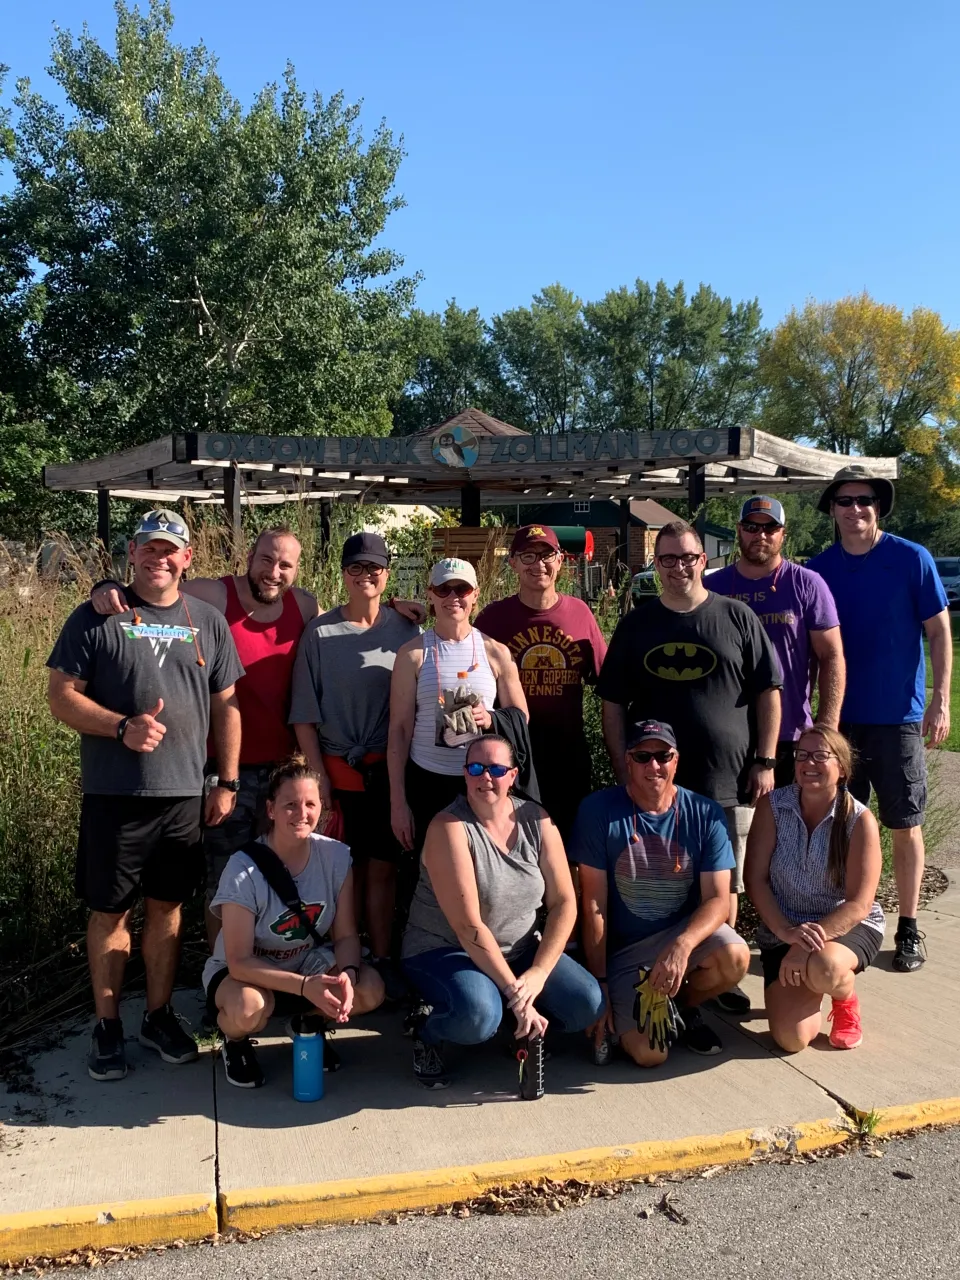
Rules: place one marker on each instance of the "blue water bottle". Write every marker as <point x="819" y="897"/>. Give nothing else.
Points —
<point x="307" y="1060"/>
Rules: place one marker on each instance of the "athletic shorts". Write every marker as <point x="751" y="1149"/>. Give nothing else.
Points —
<point x="863" y="941"/>
<point x="366" y="818"/>
<point x="623" y="965"/>
<point x="285" y="1004"/>
<point x="739" y="820"/>
<point x="130" y="846"/>
<point x="891" y="758"/>
<point x="244" y="823"/>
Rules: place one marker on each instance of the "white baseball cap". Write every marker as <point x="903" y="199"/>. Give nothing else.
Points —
<point x="453" y="570"/>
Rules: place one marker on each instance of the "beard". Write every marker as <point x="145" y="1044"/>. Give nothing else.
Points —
<point x="258" y="594"/>
<point x="759" y="553"/>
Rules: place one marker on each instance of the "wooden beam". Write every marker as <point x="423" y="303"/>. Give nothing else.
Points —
<point x="111" y="467"/>
<point x="231" y="501"/>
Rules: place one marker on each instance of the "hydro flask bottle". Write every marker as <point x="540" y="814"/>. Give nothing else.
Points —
<point x="307" y="1060"/>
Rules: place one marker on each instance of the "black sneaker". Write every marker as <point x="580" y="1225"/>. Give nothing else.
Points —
<point x="910" y="953"/>
<point x="415" y="1017"/>
<point x="735" y="1000"/>
<point x="331" y="1059"/>
<point x="696" y="1035"/>
<point x="428" y="1066"/>
<point x="107" y="1059"/>
<point x="395" y="990"/>
<point x="317" y="1026"/>
<point x="161" y="1030"/>
<point x="240" y="1064"/>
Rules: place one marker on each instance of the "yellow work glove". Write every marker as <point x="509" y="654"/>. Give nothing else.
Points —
<point x="655" y="1012"/>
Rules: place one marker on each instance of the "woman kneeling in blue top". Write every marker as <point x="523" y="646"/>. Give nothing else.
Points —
<point x="490" y="861"/>
<point x="812" y="870"/>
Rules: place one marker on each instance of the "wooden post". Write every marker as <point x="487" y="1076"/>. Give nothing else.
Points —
<point x="326" y="510"/>
<point x="696" y="487"/>
<point x="231" y="501"/>
<point x="623" y="556"/>
<point x="470" y="506"/>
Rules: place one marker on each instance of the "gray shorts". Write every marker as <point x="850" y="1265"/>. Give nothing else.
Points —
<point x="739" y="819"/>
<point x="243" y="824"/>
<point x="623" y="966"/>
<point x="891" y="758"/>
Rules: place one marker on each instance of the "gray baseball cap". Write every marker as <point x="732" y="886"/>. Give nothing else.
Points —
<point x="163" y="524"/>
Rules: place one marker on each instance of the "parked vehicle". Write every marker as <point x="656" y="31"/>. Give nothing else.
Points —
<point x="948" y="568"/>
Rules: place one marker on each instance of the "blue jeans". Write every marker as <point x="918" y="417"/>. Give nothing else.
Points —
<point x="468" y="1006"/>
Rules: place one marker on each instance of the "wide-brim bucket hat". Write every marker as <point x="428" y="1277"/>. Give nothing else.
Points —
<point x="859" y="473"/>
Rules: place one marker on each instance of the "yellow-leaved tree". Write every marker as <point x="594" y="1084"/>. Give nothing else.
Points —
<point x="859" y="376"/>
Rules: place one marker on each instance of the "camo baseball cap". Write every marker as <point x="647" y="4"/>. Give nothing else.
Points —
<point x="163" y="524"/>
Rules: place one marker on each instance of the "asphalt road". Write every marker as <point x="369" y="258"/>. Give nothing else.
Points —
<point x="851" y="1216"/>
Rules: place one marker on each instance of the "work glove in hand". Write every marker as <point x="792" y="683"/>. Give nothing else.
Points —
<point x="459" y="725"/>
<point x="655" y="1012"/>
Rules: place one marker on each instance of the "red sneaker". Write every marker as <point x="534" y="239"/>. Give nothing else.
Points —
<point x="846" y="1032"/>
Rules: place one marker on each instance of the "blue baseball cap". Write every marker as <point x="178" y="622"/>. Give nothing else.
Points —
<point x="761" y="505"/>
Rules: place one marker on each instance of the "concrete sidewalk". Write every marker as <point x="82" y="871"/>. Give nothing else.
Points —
<point x="171" y="1152"/>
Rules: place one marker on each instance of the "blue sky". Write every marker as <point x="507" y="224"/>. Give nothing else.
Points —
<point x="775" y="150"/>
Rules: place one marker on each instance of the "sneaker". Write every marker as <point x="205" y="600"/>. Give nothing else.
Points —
<point x="910" y="953"/>
<point x="846" y="1032"/>
<point x="394" y="988"/>
<point x="107" y="1059"/>
<point x="415" y="1017"/>
<point x="161" y="1030"/>
<point x="696" y="1035"/>
<point x="735" y="1000"/>
<point x="240" y="1064"/>
<point x="331" y="1059"/>
<point x="428" y="1066"/>
<point x="602" y="1052"/>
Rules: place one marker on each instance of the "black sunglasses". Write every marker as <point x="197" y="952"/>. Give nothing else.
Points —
<point x="856" y="500"/>
<point x="477" y="769"/>
<point x="644" y="757"/>
<point x="752" y="526"/>
<point x="461" y="588"/>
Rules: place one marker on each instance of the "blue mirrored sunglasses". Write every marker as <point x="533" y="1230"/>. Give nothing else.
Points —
<point x="153" y="524"/>
<point x="477" y="769"/>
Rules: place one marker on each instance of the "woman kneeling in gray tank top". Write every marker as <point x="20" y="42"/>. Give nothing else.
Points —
<point x="490" y="861"/>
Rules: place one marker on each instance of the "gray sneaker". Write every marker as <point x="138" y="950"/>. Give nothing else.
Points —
<point x="107" y="1059"/>
<point x="161" y="1030"/>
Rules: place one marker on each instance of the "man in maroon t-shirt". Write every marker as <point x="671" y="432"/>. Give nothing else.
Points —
<point x="558" y="647"/>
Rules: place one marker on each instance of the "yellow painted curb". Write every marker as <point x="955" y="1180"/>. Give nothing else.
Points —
<point x="260" y="1208"/>
<point x="49" y="1232"/>
<point x="917" y="1115"/>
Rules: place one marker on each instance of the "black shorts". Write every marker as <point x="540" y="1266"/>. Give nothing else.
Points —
<point x="133" y="845"/>
<point x="245" y="823"/>
<point x="863" y="941"/>
<point x="366" y="818"/>
<point x="285" y="1005"/>
<point x="891" y="758"/>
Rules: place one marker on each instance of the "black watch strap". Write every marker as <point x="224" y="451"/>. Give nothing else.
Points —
<point x="122" y="728"/>
<point x="766" y="762"/>
<point x="229" y="784"/>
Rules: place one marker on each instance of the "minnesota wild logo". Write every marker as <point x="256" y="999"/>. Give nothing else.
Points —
<point x="292" y="927"/>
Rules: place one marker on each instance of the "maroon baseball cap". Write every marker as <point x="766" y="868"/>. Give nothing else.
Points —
<point x="528" y="534"/>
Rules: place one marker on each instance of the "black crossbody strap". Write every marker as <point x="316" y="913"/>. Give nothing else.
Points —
<point x="278" y="877"/>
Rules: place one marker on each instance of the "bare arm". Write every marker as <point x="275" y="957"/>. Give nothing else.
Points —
<point x="768" y="722"/>
<point x="308" y="604"/>
<point x="308" y="740"/>
<point x="559" y="898"/>
<point x="831" y="674"/>
<point x="670" y="968"/>
<point x="70" y="705"/>
<point x="593" y="930"/>
<point x="110" y="598"/>
<point x="614" y="720"/>
<point x="936" y="718"/>
<point x="403" y="710"/>
<point x="225" y="726"/>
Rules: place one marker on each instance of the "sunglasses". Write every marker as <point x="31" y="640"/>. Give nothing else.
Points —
<point x="821" y="757"/>
<point x="476" y="769"/>
<point x="856" y="500"/>
<point x="360" y="567"/>
<point x="531" y="557"/>
<point x="462" y="589"/>
<point x="751" y="526"/>
<point x="644" y="757"/>
<point x="671" y="562"/>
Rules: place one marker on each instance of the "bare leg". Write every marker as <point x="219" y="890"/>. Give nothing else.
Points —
<point x="213" y="926"/>
<point x="108" y="950"/>
<point x="244" y="1010"/>
<point x="718" y="972"/>
<point x="381" y="896"/>
<point x="908" y="867"/>
<point x="637" y="1046"/>
<point x="794" y="1012"/>
<point x="161" y="949"/>
<point x="368" y="993"/>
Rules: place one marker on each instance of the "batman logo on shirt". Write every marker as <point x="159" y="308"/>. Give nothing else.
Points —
<point x="680" y="660"/>
<point x="292" y="927"/>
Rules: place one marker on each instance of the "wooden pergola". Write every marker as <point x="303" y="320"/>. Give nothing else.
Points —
<point x="472" y="460"/>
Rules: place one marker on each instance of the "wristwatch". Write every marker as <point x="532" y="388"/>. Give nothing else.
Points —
<point x="765" y="762"/>
<point x="122" y="728"/>
<point x="229" y="784"/>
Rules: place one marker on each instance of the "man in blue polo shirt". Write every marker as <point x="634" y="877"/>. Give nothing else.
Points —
<point x="888" y="595"/>
<point x="655" y="861"/>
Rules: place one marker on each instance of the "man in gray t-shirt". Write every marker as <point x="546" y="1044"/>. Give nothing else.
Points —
<point x="339" y="709"/>
<point x="141" y="690"/>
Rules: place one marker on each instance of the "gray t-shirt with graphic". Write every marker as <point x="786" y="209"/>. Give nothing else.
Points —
<point x="128" y="661"/>
<point x="280" y="938"/>
<point x="341" y="680"/>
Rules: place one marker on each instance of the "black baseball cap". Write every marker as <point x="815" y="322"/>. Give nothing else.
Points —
<point x="645" y="729"/>
<point x="367" y="548"/>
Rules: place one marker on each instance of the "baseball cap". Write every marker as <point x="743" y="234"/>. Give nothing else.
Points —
<point x="644" y="729"/>
<point x="453" y="570"/>
<point x="761" y="505"/>
<point x="530" y="533"/>
<point x="365" y="547"/>
<point x="163" y="524"/>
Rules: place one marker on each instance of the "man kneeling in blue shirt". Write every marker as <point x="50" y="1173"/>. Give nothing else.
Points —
<point x="655" y="862"/>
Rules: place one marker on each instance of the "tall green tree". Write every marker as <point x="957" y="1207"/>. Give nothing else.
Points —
<point x="660" y="361"/>
<point x="451" y="368"/>
<point x="540" y="351"/>
<point x="203" y="267"/>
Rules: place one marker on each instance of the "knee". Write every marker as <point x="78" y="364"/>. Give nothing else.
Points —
<point x="477" y="1018"/>
<point x="369" y="992"/>
<point x="636" y="1046"/>
<point x="249" y="1009"/>
<point x="790" y="1039"/>
<point x="825" y="971"/>
<point x="731" y="963"/>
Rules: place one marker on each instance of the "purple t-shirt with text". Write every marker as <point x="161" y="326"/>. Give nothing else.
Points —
<point x="790" y="605"/>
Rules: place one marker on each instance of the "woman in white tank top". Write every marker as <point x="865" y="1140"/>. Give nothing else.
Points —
<point x="445" y="684"/>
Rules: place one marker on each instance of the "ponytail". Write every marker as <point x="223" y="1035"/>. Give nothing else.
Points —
<point x="840" y="838"/>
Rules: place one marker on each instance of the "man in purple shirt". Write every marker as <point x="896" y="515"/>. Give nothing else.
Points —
<point x="799" y="616"/>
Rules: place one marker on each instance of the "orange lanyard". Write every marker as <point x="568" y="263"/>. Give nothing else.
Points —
<point x="461" y="675"/>
<point x="635" y="838"/>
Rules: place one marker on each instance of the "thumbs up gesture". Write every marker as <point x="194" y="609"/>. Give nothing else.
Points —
<point x="145" y="732"/>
